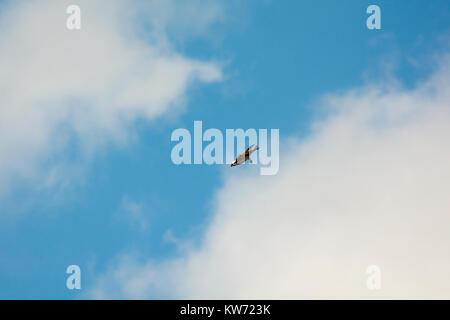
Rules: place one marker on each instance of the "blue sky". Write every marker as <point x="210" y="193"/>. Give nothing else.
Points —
<point x="277" y="58"/>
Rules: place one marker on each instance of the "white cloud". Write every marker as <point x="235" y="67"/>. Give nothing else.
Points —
<point x="90" y="84"/>
<point x="134" y="213"/>
<point x="370" y="186"/>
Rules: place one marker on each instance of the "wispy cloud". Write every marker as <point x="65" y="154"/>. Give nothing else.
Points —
<point x="369" y="186"/>
<point x="133" y="213"/>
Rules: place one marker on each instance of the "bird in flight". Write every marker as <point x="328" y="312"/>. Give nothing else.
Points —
<point x="244" y="156"/>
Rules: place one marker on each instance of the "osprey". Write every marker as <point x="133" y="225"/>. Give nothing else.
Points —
<point x="244" y="156"/>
